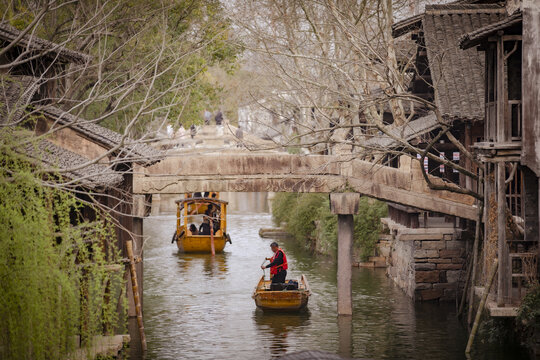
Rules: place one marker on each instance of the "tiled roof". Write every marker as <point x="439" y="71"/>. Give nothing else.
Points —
<point x="16" y="92"/>
<point x="9" y="33"/>
<point x="404" y="26"/>
<point x="475" y="37"/>
<point x="130" y="150"/>
<point x="457" y="75"/>
<point x="405" y="132"/>
<point x="90" y="176"/>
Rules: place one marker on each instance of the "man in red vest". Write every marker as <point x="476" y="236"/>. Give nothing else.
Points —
<point x="278" y="264"/>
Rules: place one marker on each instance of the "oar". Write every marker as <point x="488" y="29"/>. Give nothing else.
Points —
<point x="264" y="270"/>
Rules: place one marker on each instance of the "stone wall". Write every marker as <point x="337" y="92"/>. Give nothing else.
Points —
<point x="427" y="263"/>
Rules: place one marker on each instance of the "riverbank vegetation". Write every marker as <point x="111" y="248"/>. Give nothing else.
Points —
<point x="528" y="318"/>
<point x="308" y="219"/>
<point x="56" y="292"/>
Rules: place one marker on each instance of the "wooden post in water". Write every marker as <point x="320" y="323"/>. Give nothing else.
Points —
<point x="481" y="306"/>
<point x="134" y="287"/>
<point x="474" y="264"/>
<point x="504" y="284"/>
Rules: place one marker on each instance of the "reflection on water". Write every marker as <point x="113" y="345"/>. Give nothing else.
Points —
<point x="278" y="326"/>
<point x="212" y="266"/>
<point x="345" y="336"/>
<point x="199" y="307"/>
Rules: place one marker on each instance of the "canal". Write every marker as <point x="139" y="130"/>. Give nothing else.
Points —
<point x="199" y="307"/>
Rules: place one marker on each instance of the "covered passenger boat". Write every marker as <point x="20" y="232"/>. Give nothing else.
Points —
<point x="201" y="224"/>
<point x="291" y="296"/>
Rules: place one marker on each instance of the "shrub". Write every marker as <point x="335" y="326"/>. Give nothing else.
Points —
<point x="528" y="317"/>
<point x="307" y="217"/>
<point x="367" y="225"/>
<point x="281" y="207"/>
<point x="303" y="216"/>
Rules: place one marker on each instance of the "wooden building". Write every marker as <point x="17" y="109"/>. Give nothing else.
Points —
<point x="510" y="149"/>
<point x="452" y="80"/>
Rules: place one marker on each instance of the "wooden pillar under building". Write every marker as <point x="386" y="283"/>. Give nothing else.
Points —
<point x="344" y="205"/>
<point x="504" y="282"/>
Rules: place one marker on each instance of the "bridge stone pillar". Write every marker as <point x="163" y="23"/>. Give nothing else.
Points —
<point x="156" y="204"/>
<point x="344" y="205"/>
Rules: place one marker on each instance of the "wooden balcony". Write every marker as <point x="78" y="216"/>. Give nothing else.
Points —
<point x="491" y="151"/>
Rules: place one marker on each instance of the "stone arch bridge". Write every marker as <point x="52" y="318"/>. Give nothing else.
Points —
<point x="283" y="172"/>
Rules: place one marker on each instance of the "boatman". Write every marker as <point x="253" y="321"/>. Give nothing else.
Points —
<point x="278" y="264"/>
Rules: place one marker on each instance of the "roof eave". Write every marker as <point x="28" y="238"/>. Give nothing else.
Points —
<point x="481" y="35"/>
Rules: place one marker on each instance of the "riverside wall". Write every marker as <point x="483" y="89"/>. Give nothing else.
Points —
<point x="427" y="263"/>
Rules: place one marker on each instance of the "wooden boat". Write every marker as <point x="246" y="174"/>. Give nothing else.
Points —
<point x="282" y="300"/>
<point x="195" y="210"/>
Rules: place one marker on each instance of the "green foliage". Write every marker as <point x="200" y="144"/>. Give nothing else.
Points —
<point x="308" y="219"/>
<point x="497" y="330"/>
<point x="281" y="207"/>
<point x="528" y="317"/>
<point x="52" y="278"/>
<point x="367" y="225"/>
<point x="303" y="215"/>
<point x="328" y="232"/>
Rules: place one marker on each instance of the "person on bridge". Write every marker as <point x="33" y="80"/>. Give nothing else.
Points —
<point x="219" y="118"/>
<point x="278" y="264"/>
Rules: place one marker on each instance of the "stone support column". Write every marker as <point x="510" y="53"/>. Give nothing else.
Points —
<point x="344" y="205"/>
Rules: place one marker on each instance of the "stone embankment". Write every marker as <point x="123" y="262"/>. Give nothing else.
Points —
<point x="427" y="263"/>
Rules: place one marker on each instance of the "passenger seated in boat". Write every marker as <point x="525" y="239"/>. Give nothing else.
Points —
<point x="278" y="264"/>
<point x="193" y="229"/>
<point x="204" y="229"/>
<point x="213" y="211"/>
<point x="197" y="195"/>
<point x="206" y="194"/>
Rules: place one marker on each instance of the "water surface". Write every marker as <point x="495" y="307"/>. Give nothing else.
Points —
<point x="199" y="307"/>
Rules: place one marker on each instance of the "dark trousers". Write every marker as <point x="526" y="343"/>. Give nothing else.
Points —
<point x="279" y="278"/>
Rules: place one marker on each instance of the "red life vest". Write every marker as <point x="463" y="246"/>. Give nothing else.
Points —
<point x="274" y="269"/>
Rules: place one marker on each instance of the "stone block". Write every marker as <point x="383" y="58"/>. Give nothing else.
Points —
<point x="430" y="294"/>
<point x="433" y="245"/>
<point x="424" y="266"/>
<point x="448" y="295"/>
<point x="449" y="266"/>
<point x="413" y="237"/>
<point x="424" y="286"/>
<point x="445" y="286"/>
<point x="453" y="275"/>
<point x="455" y="244"/>
<point x="440" y="261"/>
<point x="442" y="276"/>
<point x="425" y="253"/>
<point x="448" y="236"/>
<point x="458" y="260"/>
<point x="429" y="276"/>
<point x="450" y="253"/>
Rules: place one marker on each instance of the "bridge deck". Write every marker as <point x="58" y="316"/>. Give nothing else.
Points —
<point x="281" y="172"/>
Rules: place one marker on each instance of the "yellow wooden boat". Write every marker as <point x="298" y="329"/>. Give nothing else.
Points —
<point x="191" y="212"/>
<point x="282" y="300"/>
